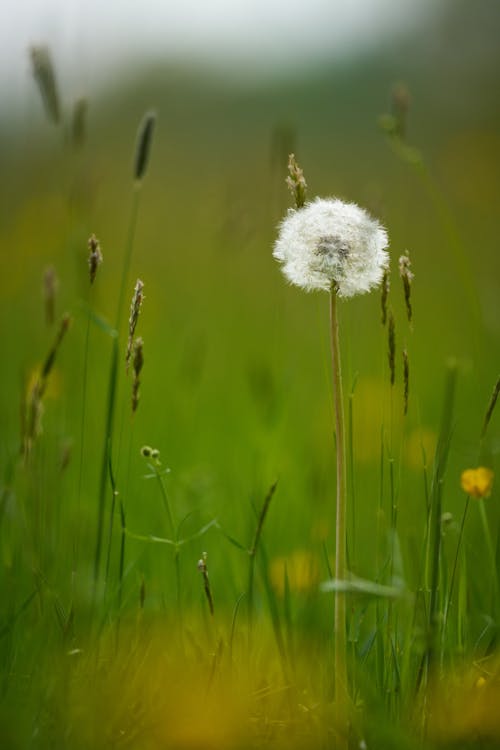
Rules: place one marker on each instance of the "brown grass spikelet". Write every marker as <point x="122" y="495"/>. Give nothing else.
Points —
<point x="391" y="341"/>
<point x="386" y="286"/>
<point x="491" y="407"/>
<point x="79" y="122"/>
<point x="395" y="122"/>
<point x="407" y="278"/>
<point x="49" y="362"/>
<point x="50" y="287"/>
<point x="296" y="182"/>
<point x="144" y="140"/>
<point x="32" y="411"/>
<point x="135" y="309"/>
<point x="400" y="105"/>
<point x="44" y="75"/>
<point x="406" y="381"/>
<point x="137" y="364"/>
<point x="95" y="256"/>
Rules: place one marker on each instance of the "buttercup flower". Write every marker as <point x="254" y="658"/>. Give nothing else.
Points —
<point x="477" y="482"/>
<point x="331" y="242"/>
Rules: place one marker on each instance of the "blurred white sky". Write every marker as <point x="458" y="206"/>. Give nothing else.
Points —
<point x="89" y="39"/>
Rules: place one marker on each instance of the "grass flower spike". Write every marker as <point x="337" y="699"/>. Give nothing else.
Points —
<point x="331" y="243"/>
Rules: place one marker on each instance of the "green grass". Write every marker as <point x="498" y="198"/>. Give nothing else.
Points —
<point x="120" y="648"/>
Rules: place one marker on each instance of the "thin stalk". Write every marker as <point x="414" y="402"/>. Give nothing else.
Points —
<point x="434" y="529"/>
<point x="453" y="574"/>
<point x="175" y="534"/>
<point x="166" y="503"/>
<point x="340" y="651"/>
<point x="252" y="552"/>
<point x="491" y="553"/>
<point x="113" y="379"/>
<point x="82" y="434"/>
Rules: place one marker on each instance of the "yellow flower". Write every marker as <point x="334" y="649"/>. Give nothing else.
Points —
<point x="302" y="571"/>
<point x="477" y="482"/>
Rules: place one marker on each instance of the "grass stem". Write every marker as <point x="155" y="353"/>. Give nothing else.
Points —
<point x="113" y="382"/>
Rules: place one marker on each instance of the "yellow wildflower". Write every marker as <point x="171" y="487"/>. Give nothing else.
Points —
<point x="477" y="482"/>
<point x="302" y="571"/>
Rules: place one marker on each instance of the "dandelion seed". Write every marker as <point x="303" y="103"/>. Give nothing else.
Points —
<point x="407" y="277"/>
<point x="296" y="182"/>
<point x="95" y="256"/>
<point x="135" y="309"/>
<point x="477" y="483"/>
<point x="329" y="244"/>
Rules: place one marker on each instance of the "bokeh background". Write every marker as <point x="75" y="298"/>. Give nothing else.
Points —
<point x="235" y="387"/>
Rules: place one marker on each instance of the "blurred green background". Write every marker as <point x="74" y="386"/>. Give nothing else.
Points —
<point x="235" y="388"/>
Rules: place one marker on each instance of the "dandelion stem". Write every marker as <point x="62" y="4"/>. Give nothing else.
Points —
<point x="340" y="666"/>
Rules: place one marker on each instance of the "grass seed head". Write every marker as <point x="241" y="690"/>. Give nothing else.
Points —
<point x="79" y="123"/>
<point x="406" y="380"/>
<point x="386" y="286"/>
<point x="296" y="182"/>
<point x="50" y="287"/>
<point x="491" y="407"/>
<point x="95" y="256"/>
<point x="135" y="309"/>
<point x="143" y="148"/>
<point x="407" y="278"/>
<point x="43" y="72"/>
<point x="137" y="364"/>
<point x="391" y="345"/>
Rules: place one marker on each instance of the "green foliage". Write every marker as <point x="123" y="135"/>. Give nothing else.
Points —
<point x="101" y="596"/>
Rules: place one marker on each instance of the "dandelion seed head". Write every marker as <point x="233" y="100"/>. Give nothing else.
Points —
<point x="331" y="242"/>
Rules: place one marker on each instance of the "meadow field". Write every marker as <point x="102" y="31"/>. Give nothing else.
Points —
<point x="166" y="569"/>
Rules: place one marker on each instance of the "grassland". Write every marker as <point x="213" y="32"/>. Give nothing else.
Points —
<point x="235" y="395"/>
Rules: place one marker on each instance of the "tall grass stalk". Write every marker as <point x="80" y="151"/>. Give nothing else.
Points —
<point x="434" y="530"/>
<point x="113" y="380"/>
<point x="143" y="147"/>
<point x="252" y="552"/>
<point x="94" y="260"/>
<point x="449" y="597"/>
<point x="174" y="532"/>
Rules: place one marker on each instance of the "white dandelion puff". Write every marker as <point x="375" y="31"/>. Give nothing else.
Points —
<point x="331" y="244"/>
